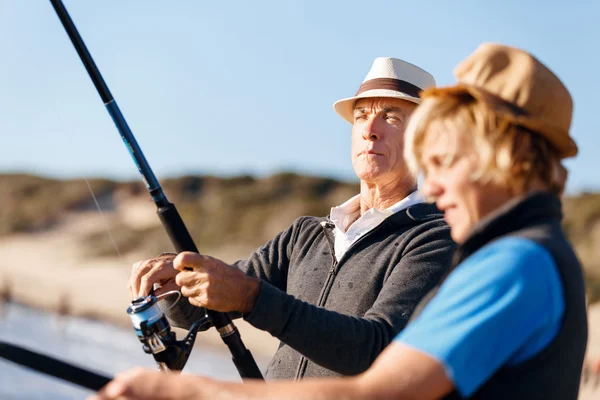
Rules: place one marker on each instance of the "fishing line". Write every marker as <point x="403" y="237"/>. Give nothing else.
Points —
<point x="70" y="139"/>
<point x="104" y="218"/>
<point x="91" y="190"/>
<point x="162" y="296"/>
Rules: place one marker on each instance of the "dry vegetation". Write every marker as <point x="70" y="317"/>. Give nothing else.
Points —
<point x="582" y="225"/>
<point x="227" y="211"/>
<point x="217" y="211"/>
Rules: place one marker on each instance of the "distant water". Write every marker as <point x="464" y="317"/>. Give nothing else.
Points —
<point x="97" y="346"/>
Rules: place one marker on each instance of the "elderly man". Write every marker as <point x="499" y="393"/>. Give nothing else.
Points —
<point x="334" y="290"/>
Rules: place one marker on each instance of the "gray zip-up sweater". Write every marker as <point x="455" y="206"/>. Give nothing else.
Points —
<point x="335" y="317"/>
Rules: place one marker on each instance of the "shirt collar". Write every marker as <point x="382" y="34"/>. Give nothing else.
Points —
<point x="348" y="212"/>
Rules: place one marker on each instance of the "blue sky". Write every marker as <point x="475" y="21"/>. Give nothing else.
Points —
<point x="247" y="87"/>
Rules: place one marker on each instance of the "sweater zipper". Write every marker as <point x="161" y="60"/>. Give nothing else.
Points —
<point x="329" y="281"/>
<point x="332" y="271"/>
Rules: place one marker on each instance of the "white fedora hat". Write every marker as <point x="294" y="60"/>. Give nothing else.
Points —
<point x="388" y="77"/>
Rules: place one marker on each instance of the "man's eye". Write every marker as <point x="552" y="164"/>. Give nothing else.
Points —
<point x="360" y="117"/>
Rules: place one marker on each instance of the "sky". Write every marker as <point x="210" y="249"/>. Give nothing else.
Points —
<point x="242" y="87"/>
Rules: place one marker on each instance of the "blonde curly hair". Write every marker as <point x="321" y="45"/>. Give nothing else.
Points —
<point x="509" y="155"/>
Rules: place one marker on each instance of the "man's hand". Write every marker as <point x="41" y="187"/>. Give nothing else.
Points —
<point x="215" y="285"/>
<point x="144" y="384"/>
<point x="138" y="384"/>
<point x="145" y="273"/>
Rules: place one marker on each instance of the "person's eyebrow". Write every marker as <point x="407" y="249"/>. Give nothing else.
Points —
<point x="394" y="109"/>
<point x="363" y="110"/>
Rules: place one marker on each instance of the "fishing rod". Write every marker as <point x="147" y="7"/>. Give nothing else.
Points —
<point x="157" y="336"/>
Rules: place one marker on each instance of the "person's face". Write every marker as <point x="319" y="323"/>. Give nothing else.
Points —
<point x="463" y="201"/>
<point x="378" y="139"/>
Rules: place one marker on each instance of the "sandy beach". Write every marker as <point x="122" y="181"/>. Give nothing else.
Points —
<point x="46" y="270"/>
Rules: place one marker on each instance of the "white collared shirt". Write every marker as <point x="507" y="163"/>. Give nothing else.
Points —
<point x="346" y="232"/>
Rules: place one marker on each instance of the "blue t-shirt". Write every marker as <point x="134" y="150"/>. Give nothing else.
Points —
<point x="501" y="306"/>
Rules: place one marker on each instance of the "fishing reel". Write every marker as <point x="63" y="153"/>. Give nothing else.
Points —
<point x="154" y="332"/>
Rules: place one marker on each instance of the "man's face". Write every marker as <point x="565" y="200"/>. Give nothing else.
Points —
<point x="378" y="139"/>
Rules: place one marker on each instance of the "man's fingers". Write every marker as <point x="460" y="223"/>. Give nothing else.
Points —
<point x="193" y="302"/>
<point x="161" y="271"/>
<point x="190" y="278"/>
<point x="114" y="390"/>
<point x="123" y="386"/>
<point x="130" y="284"/>
<point x="215" y="285"/>
<point x="130" y="290"/>
<point x="141" y="268"/>
<point x="138" y="270"/>
<point x="195" y="261"/>
<point x="191" y="291"/>
<point x="144" y="384"/>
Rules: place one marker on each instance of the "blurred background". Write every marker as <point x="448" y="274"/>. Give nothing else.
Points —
<point x="231" y="103"/>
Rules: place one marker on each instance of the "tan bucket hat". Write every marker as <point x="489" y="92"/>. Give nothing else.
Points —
<point x="520" y="88"/>
<point x="388" y="77"/>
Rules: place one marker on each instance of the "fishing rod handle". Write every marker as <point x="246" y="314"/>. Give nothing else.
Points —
<point x="247" y="367"/>
<point x="182" y="241"/>
<point x="176" y="229"/>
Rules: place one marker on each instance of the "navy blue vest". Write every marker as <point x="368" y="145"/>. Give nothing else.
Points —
<point x="554" y="373"/>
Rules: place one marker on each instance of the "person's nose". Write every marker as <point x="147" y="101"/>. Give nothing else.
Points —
<point x="371" y="129"/>
<point x="432" y="187"/>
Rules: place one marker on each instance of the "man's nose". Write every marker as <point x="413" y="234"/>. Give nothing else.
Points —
<point x="371" y="131"/>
